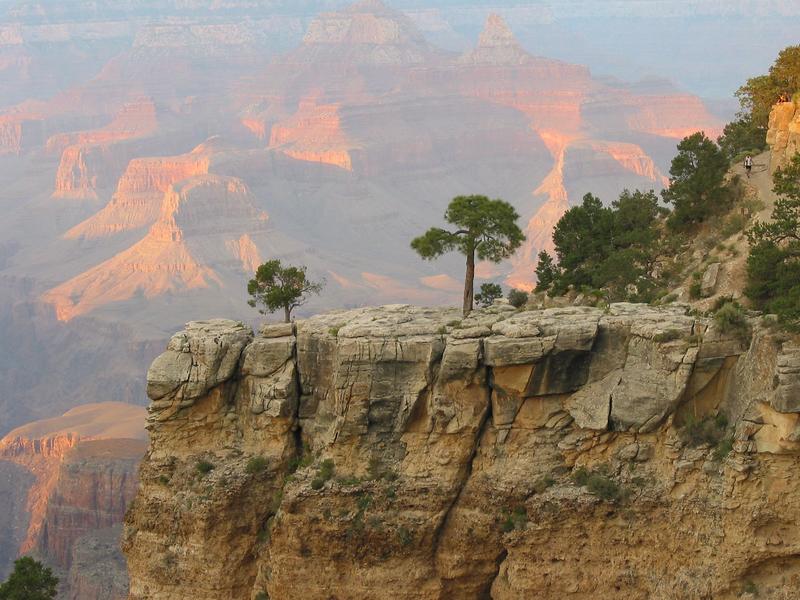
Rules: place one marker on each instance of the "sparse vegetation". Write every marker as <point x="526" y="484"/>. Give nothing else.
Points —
<point x="667" y="336"/>
<point x="599" y="482"/>
<point x="514" y="519"/>
<point x="204" y="467"/>
<point x="324" y="473"/>
<point x="750" y="588"/>
<point x="706" y="431"/>
<point x="404" y="536"/>
<point x="723" y="449"/>
<point x="257" y="464"/>
<point x="731" y="318"/>
<point x="543" y="483"/>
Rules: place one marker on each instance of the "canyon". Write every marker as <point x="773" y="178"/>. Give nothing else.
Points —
<point x="69" y="480"/>
<point x="325" y="134"/>
<point x="153" y="154"/>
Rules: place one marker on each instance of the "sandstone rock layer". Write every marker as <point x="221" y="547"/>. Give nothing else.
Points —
<point x="406" y="452"/>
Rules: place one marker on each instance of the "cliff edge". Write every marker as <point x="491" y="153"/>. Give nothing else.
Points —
<point x="397" y="451"/>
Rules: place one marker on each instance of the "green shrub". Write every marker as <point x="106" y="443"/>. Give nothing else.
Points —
<point x="204" y="467"/>
<point x="334" y="331"/>
<point x="262" y="596"/>
<point x="750" y="588"/>
<point x="581" y="476"/>
<point x="720" y="302"/>
<point x="163" y="480"/>
<point x="543" y="483"/>
<point x="326" y="469"/>
<point x="363" y="502"/>
<point x="442" y="330"/>
<point x="731" y="318"/>
<point x="603" y="487"/>
<point x="515" y="519"/>
<point x="599" y="482"/>
<point x="695" y="290"/>
<point x="350" y="480"/>
<point x="734" y="224"/>
<point x="706" y="431"/>
<point x="667" y="336"/>
<point x="724" y="447"/>
<point x="404" y="536"/>
<point x="488" y="294"/>
<point x="317" y="483"/>
<point x="257" y="464"/>
<point x="517" y="298"/>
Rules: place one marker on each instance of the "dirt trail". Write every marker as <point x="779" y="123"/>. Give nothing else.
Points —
<point x="733" y="270"/>
<point x="761" y="181"/>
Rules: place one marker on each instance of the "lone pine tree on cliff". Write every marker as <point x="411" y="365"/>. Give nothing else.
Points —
<point x="275" y="287"/>
<point x="484" y="228"/>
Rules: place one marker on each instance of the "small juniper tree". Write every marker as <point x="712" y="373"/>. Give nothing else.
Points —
<point x="484" y="228"/>
<point x="488" y="294"/>
<point x="546" y="272"/>
<point x="30" y="580"/>
<point x="277" y="287"/>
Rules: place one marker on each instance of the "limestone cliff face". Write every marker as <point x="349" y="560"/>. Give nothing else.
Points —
<point x="783" y="135"/>
<point x="405" y="452"/>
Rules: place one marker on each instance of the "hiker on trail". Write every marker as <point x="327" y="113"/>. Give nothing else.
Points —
<point x="748" y="164"/>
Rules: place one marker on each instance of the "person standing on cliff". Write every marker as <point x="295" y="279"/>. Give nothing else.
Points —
<point x="748" y="165"/>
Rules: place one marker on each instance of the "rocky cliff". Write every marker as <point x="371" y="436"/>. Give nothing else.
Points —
<point x="783" y="135"/>
<point x="627" y="453"/>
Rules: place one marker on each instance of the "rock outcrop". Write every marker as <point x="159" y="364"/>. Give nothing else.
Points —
<point x="783" y="135"/>
<point x="408" y="452"/>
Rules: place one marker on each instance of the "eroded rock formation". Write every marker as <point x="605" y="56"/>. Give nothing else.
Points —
<point x="783" y="135"/>
<point x="406" y="451"/>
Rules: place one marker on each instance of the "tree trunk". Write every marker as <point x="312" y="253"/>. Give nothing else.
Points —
<point x="469" y="282"/>
<point x="287" y="314"/>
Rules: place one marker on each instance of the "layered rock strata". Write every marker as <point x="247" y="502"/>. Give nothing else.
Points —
<point x="783" y="135"/>
<point x="575" y="452"/>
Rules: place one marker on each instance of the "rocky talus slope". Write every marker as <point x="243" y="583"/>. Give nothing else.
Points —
<point x="403" y="452"/>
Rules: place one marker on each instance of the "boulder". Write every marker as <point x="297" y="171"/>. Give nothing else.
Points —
<point x="199" y="358"/>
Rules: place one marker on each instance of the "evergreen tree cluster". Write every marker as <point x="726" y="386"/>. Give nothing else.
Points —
<point x="615" y="248"/>
<point x="773" y="266"/>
